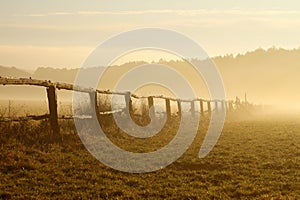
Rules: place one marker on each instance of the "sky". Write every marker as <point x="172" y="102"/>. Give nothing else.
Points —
<point x="61" y="34"/>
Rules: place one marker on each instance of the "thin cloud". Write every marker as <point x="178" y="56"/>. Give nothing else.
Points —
<point x="48" y="14"/>
<point x="181" y="12"/>
<point x="128" y="12"/>
<point x="193" y="12"/>
<point x="61" y="13"/>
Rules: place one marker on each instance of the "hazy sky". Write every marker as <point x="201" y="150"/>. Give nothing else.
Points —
<point x="57" y="33"/>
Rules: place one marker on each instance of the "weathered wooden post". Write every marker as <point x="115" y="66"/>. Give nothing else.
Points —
<point x="201" y="107"/>
<point x="216" y="105"/>
<point x="94" y="103"/>
<point x="128" y="101"/>
<point x="223" y="105"/>
<point x="168" y="108"/>
<point x="52" y="102"/>
<point x="193" y="108"/>
<point x="179" y="107"/>
<point x="151" y="104"/>
<point x="208" y="107"/>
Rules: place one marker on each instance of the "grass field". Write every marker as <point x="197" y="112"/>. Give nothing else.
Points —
<point x="254" y="159"/>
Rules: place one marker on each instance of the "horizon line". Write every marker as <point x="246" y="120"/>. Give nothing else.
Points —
<point x="233" y="55"/>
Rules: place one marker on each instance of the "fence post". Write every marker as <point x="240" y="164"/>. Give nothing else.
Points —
<point x="128" y="101"/>
<point x="52" y="102"/>
<point x="151" y="104"/>
<point x="193" y="108"/>
<point x="168" y="108"/>
<point x="201" y="107"/>
<point x="208" y="107"/>
<point x="179" y="107"/>
<point x="216" y="106"/>
<point x="223" y="104"/>
<point x="93" y="101"/>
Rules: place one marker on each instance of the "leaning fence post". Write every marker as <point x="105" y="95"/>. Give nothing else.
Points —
<point x="201" y="107"/>
<point x="179" y="107"/>
<point x="151" y="104"/>
<point x="168" y="108"/>
<point x="52" y="102"/>
<point x="208" y="107"/>
<point x="128" y="101"/>
<point x="193" y="108"/>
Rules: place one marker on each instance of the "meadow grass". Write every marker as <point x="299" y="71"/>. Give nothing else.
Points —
<point x="254" y="159"/>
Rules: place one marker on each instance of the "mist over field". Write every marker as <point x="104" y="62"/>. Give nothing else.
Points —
<point x="268" y="77"/>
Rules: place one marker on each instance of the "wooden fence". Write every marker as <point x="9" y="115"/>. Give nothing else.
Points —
<point x="51" y="88"/>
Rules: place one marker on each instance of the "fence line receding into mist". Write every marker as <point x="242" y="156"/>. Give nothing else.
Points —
<point x="51" y="88"/>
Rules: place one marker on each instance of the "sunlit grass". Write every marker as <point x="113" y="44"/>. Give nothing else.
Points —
<point x="254" y="158"/>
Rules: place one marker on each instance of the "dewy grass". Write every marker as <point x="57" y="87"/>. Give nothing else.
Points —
<point x="254" y="159"/>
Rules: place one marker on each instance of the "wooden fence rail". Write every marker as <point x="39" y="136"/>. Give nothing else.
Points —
<point x="52" y="100"/>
